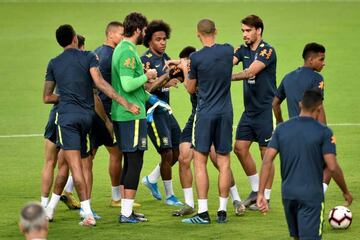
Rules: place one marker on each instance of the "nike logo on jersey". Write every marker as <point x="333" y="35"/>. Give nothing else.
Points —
<point x="157" y="65"/>
<point x="246" y="57"/>
<point x="267" y="140"/>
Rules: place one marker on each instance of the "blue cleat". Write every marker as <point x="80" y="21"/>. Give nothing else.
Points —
<point x="200" y="218"/>
<point x="152" y="187"/>
<point x="221" y="217"/>
<point x="173" y="201"/>
<point x="130" y="219"/>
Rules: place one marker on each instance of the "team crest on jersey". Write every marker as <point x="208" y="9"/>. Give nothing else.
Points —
<point x="333" y="139"/>
<point x="143" y="142"/>
<point x="321" y="85"/>
<point x="262" y="45"/>
<point x="130" y="63"/>
<point x="149" y="55"/>
<point x="165" y="141"/>
<point x="265" y="53"/>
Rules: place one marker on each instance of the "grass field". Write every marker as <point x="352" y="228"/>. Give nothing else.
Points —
<point x="27" y="42"/>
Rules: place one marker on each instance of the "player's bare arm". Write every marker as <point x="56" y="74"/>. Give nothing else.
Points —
<point x="267" y="163"/>
<point x="48" y="93"/>
<point x="110" y="92"/>
<point x="338" y="176"/>
<point x="190" y="84"/>
<point x="255" y="67"/>
<point x="277" y="110"/>
<point x="322" y="117"/>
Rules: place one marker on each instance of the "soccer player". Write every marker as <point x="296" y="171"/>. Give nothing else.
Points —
<point x="51" y="153"/>
<point x="100" y="132"/>
<point x="305" y="146"/>
<point x="296" y="82"/>
<point x="186" y="156"/>
<point x="128" y="78"/>
<point x="33" y="223"/>
<point x="259" y="86"/>
<point x="74" y="72"/>
<point x="164" y="131"/>
<point x="210" y="73"/>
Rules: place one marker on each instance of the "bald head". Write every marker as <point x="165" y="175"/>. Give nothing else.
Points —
<point x="206" y="27"/>
<point x="33" y="218"/>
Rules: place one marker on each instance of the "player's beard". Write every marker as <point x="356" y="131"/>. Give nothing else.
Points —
<point x="140" y="40"/>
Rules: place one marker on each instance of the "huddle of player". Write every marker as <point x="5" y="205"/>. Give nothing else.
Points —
<point x="139" y="105"/>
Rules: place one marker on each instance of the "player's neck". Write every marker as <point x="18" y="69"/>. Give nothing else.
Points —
<point x="132" y="39"/>
<point x="304" y="113"/>
<point x="152" y="50"/>
<point x="208" y="41"/>
<point x="308" y="65"/>
<point x="72" y="45"/>
<point x="255" y="45"/>
<point x="110" y="43"/>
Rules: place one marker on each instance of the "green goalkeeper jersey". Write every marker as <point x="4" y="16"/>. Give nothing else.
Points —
<point x="128" y="78"/>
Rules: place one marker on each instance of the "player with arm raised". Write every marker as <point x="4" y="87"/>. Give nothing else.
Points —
<point x="164" y="131"/>
<point x="259" y="86"/>
<point x="74" y="72"/>
<point x="210" y="73"/>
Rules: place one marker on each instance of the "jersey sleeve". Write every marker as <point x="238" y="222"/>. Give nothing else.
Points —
<point x="93" y="60"/>
<point x="127" y="63"/>
<point x="193" y="69"/>
<point x="280" y="92"/>
<point x="274" y="142"/>
<point x="266" y="55"/>
<point x="49" y="75"/>
<point x="319" y="84"/>
<point x="238" y="53"/>
<point x="328" y="142"/>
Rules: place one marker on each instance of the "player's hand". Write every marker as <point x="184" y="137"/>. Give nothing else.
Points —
<point x="262" y="204"/>
<point x="348" y="198"/>
<point x="172" y="83"/>
<point x="184" y="65"/>
<point x="133" y="108"/>
<point x="151" y="74"/>
<point x="168" y="64"/>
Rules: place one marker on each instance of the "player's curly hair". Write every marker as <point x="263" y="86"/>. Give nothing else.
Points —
<point x="156" y="26"/>
<point x="65" y="34"/>
<point x="185" y="53"/>
<point x="132" y="22"/>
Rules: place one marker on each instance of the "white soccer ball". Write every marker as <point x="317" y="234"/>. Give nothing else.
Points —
<point x="340" y="217"/>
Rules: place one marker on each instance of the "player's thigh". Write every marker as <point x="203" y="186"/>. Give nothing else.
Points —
<point x="159" y="132"/>
<point x="131" y="135"/>
<point x="186" y="153"/>
<point x="245" y="129"/>
<point x="291" y="212"/>
<point x="222" y="138"/>
<point x="310" y="219"/>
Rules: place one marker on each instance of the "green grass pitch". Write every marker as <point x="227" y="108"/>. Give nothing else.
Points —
<point x="27" y="42"/>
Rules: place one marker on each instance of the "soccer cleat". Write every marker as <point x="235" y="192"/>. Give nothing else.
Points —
<point x="130" y="219"/>
<point x="221" y="217"/>
<point x="200" y="218"/>
<point x="173" y="201"/>
<point x="239" y="208"/>
<point x="251" y="199"/>
<point x="49" y="212"/>
<point x="115" y="203"/>
<point x="254" y="206"/>
<point x="139" y="216"/>
<point x="88" y="221"/>
<point x="69" y="200"/>
<point x="95" y="215"/>
<point x="152" y="187"/>
<point x="185" y="210"/>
